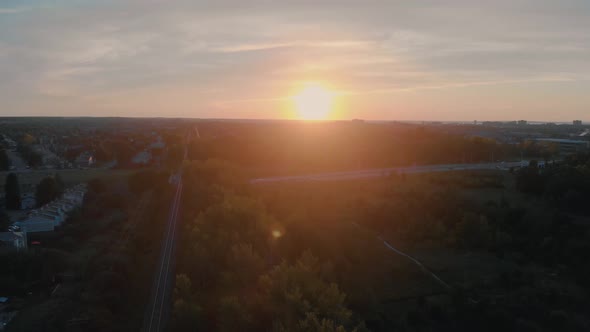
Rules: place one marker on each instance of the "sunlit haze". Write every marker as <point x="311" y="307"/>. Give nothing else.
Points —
<point x="294" y="165"/>
<point x="314" y="102"/>
<point x="390" y="60"/>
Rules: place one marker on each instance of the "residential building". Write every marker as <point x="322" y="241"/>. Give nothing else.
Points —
<point x="28" y="201"/>
<point x="85" y="159"/>
<point x="53" y="214"/>
<point x="142" y="158"/>
<point x="36" y="223"/>
<point x="13" y="240"/>
<point x="158" y="144"/>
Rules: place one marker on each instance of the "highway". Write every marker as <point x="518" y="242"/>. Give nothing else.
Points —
<point x="382" y="172"/>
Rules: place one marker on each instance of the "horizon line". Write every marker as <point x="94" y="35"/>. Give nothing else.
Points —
<point x="286" y="119"/>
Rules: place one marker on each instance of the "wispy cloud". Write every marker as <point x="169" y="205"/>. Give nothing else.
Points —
<point x="250" y="47"/>
<point x="14" y="10"/>
<point x="454" y="85"/>
<point x="348" y="44"/>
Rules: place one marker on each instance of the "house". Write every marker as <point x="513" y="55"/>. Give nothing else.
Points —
<point x="15" y="240"/>
<point x="36" y="223"/>
<point x="85" y="159"/>
<point x="47" y="217"/>
<point x="158" y="144"/>
<point x="142" y="158"/>
<point x="28" y="201"/>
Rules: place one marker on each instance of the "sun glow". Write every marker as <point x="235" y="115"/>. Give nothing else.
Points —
<point x="314" y="102"/>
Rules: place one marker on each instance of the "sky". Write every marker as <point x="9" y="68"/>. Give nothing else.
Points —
<point x="389" y="60"/>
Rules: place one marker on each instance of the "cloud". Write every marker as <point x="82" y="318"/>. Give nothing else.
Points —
<point x="234" y="48"/>
<point x="257" y="50"/>
<point x="451" y="85"/>
<point x="15" y="10"/>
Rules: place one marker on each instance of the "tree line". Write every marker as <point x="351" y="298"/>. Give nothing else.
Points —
<point x="286" y="148"/>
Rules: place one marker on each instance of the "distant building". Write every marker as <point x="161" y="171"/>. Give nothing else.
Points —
<point x="522" y="122"/>
<point x="565" y="146"/>
<point x="85" y="159"/>
<point x="577" y="122"/>
<point x="158" y="144"/>
<point x="142" y="158"/>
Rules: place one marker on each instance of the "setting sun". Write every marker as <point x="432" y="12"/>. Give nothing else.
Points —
<point x="314" y="102"/>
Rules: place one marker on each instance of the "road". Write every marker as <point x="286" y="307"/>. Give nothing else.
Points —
<point x="381" y="172"/>
<point x="158" y="310"/>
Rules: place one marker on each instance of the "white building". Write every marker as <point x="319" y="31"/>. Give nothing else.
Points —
<point x="142" y="158"/>
<point x="47" y="217"/>
<point x="28" y="201"/>
<point x="16" y="240"/>
<point x="158" y="144"/>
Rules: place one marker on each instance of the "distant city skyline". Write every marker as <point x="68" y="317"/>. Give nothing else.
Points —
<point x="456" y="60"/>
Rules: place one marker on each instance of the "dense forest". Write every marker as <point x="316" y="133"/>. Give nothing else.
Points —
<point x="509" y="249"/>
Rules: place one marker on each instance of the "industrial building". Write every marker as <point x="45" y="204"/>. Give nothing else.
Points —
<point x="565" y="146"/>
